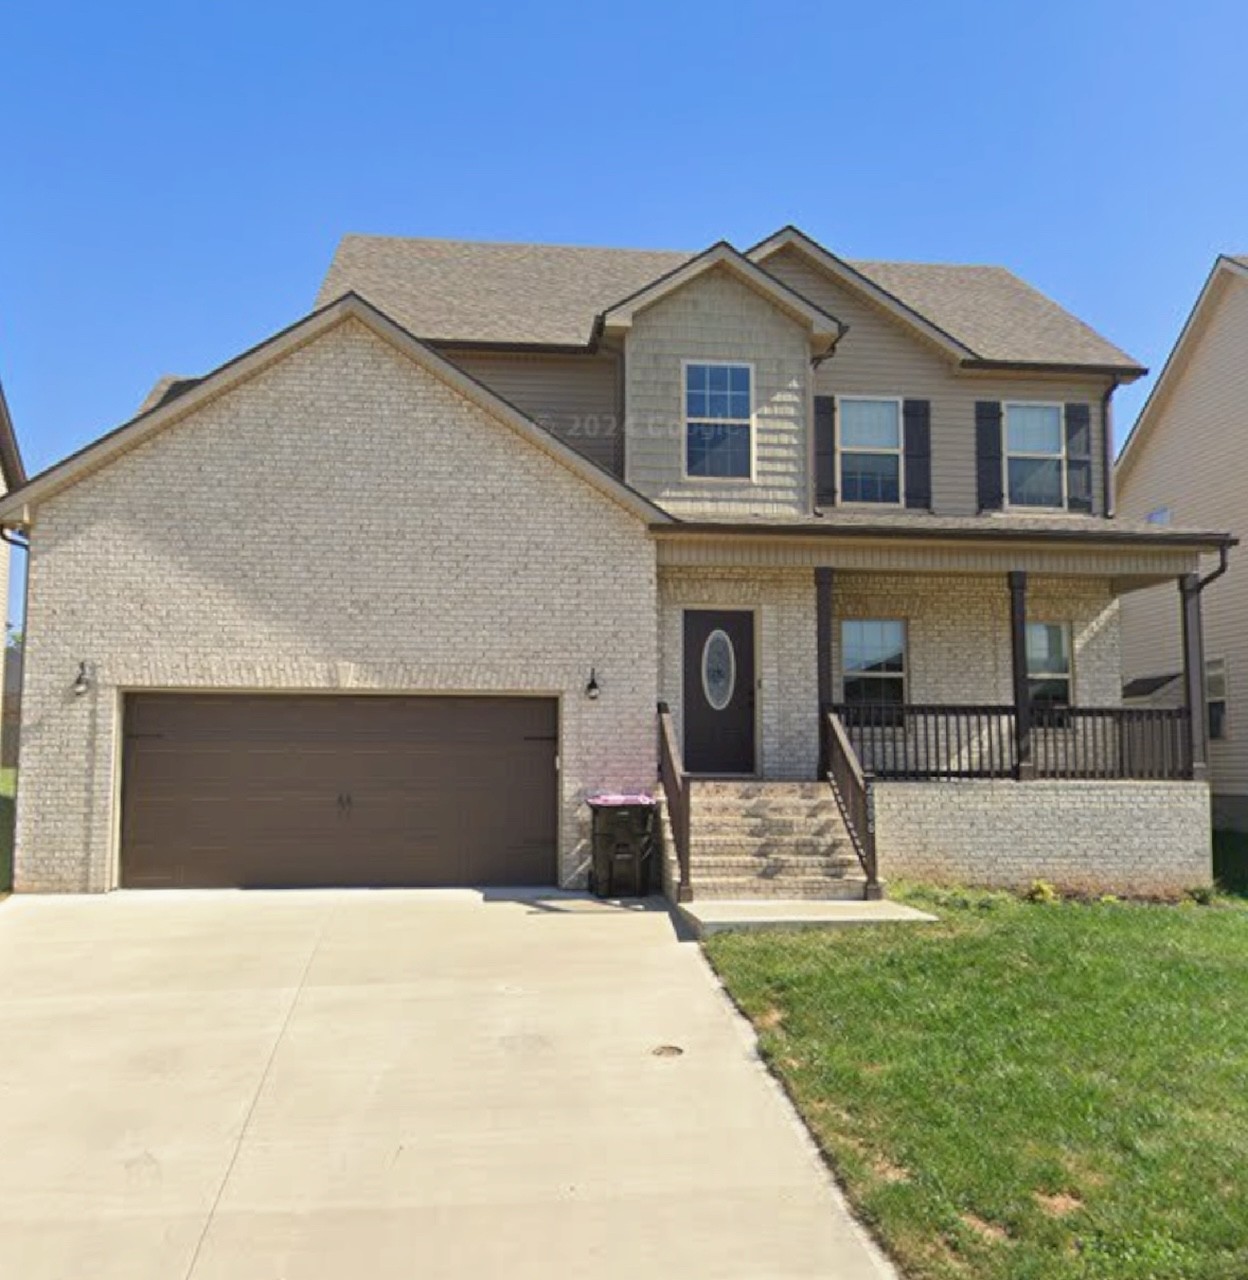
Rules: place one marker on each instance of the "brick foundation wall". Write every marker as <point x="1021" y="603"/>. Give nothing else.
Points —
<point x="1129" y="838"/>
<point x="343" y="521"/>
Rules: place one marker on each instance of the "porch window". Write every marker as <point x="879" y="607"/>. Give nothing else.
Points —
<point x="873" y="662"/>
<point x="1215" y="697"/>
<point x="1048" y="664"/>
<point x="870" y="450"/>
<point x="718" y="399"/>
<point x="1035" y="455"/>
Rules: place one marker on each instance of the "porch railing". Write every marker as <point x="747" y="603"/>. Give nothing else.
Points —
<point x="676" y="790"/>
<point x="915" y="743"/>
<point x="852" y="789"/>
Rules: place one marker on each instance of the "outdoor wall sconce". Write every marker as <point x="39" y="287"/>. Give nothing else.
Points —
<point x="592" y="687"/>
<point x="82" y="681"/>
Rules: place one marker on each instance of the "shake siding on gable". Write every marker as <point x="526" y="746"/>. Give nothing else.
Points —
<point x="1195" y="461"/>
<point x="717" y="318"/>
<point x="578" y="398"/>
<point x="881" y="356"/>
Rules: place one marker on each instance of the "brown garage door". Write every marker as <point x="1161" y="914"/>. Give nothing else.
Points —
<point x="277" y="790"/>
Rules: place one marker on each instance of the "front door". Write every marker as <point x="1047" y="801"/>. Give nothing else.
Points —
<point x="719" y="691"/>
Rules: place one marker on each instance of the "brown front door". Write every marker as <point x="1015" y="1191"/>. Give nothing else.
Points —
<point x="292" y="790"/>
<point x="719" y="691"/>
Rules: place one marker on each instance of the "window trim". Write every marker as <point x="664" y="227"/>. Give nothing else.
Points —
<point x="1006" y="455"/>
<point x="685" y="419"/>
<point x="904" y="674"/>
<point x="1225" y="700"/>
<point x="840" y="450"/>
<point x="1069" y="632"/>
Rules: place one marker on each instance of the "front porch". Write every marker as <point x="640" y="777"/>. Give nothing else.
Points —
<point x="967" y="725"/>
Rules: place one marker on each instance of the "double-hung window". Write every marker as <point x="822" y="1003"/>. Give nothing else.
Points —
<point x="1215" y="697"/>
<point x="870" y="453"/>
<point x="1048" y="664"/>
<point x="718" y="410"/>
<point x="873" y="662"/>
<point x="1035" y="455"/>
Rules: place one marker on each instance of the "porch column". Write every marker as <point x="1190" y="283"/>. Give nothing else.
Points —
<point x="1194" y="673"/>
<point x="1022" y="691"/>
<point x="823" y="654"/>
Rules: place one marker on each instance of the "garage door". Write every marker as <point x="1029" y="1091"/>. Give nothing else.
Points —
<point x="225" y="790"/>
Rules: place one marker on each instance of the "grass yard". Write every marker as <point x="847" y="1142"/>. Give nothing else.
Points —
<point x="1023" y="1090"/>
<point x="8" y="789"/>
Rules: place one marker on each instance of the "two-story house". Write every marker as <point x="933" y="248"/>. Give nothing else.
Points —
<point x="828" y="546"/>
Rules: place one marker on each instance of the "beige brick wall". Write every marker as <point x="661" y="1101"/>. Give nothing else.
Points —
<point x="788" y="702"/>
<point x="958" y="631"/>
<point x="717" y="318"/>
<point x="342" y="521"/>
<point x="1130" y="838"/>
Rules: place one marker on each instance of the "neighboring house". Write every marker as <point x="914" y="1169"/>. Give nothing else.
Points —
<point x="385" y="598"/>
<point x="1185" y="463"/>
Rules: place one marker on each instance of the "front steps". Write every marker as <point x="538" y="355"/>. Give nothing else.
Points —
<point x="775" y="840"/>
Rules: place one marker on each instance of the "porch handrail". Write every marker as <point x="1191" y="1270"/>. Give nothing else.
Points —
<point x="853" y="791"/>
<point x="676" y="789"/>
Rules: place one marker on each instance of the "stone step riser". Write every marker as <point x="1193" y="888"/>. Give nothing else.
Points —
<point x="726" y="868"/>
<point x="845" y="890"/>
<point x="825" y="831"/>
<point x="762" y="845"/>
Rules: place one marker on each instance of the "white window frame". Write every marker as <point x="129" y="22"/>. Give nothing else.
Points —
<point x="686" y="419"/>
<point x="1224" y="700"/>
<point x="900" y="451"/>
<point x="1069" y="632"/>
<point x="1006" y="454"/>
<point x="904" y="674"/>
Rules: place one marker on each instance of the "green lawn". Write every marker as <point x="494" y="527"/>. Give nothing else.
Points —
<point x="1023" y="1091"/>
<point x="8" y="789"/>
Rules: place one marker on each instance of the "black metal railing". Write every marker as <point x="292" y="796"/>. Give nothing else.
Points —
<point x="916" y="742"/>
<point x="676" y="790"/>
<point x="852" y="788"/>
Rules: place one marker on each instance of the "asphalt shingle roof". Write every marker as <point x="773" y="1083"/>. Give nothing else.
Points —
<point x="484" y="292"/>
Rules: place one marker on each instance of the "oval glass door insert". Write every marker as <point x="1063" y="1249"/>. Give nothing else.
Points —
<point x="719" y="669"/>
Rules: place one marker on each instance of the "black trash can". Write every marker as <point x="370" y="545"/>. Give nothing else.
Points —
<point x="624" y="843"/>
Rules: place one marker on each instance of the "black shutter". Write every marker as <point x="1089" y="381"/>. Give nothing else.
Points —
<point x="917" y="416"/>
<point x="988" y="454"/>
<point x="825" y="451"/>
<point x="1078" y="457"/>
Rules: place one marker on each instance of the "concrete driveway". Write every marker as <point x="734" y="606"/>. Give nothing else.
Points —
<point x="330" y="1084"/>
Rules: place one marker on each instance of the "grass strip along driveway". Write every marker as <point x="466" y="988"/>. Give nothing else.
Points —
<point x="1030" y="1091"/>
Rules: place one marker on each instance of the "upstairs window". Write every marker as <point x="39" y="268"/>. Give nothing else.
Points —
<point x="1215" y="697"/>
<point x="718" y="408"/>
<point x="1035" y="455"/>
<point x="1048" y="663"/>
<point x="873" y="662"/>
<point x="870" y="454"/>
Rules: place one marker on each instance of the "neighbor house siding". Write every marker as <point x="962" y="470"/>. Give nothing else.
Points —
<point x="578" y="398"/>
<point x="880" y="355"/>
<point x="717" y="318"/>
<point x="1193" y="461"/>
<point x="341" y="521"/>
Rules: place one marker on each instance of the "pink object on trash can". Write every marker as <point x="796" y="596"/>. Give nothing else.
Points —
<point x="618" y="799"/>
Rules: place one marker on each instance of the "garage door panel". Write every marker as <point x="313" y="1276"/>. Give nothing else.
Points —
<point x="254" y="790"/>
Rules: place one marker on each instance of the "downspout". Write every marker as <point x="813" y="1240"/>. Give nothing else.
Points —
<point x="1224" y="559"/>
<point x="14" y="538"/>
<point x="1107" y="432"/>
<point x="815" y="362"/>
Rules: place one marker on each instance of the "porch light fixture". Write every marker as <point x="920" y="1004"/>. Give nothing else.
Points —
<point x="592" y="687"/>
<point x="82" y="681"/>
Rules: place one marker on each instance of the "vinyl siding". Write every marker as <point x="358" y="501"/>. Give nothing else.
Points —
<point x="715" y="317"/>
<point x="575" y="397"/>
<point x="1188" y="463"/>
<point x="881" y="356"/>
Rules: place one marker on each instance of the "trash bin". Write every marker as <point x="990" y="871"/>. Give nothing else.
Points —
<point x="623" y="845"/>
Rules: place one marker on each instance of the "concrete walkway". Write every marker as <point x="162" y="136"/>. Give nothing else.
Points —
<point x="390" y="1084"/>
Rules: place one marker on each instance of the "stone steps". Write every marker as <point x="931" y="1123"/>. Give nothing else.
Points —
<point x="791" y="887"/>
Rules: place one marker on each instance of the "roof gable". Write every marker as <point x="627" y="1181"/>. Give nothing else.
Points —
<point x="1226" y="271"/>
<point x="16" y="507"/>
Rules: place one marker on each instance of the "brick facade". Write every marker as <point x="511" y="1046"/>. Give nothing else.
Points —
<point x="342" y="521"/>
<point x="1137" y="838"/>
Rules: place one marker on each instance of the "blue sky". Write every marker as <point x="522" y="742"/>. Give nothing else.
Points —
<point x="175" y="175"/>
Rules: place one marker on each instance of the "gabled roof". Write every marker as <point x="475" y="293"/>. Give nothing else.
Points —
<point x="468" y="293"/>
<point x="984" y="317"/>
<point x="15" y="507"/>
<point x="722" y="256"/>
<point x="10" y="454"/>
<point x="1227" y="269"/>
